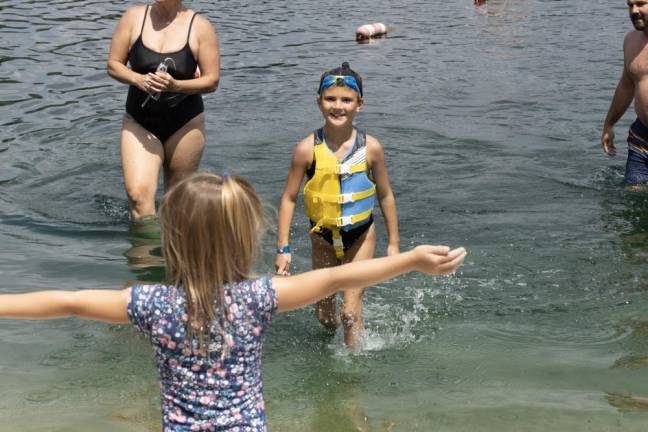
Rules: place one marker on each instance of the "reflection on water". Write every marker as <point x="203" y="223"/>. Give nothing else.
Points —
<point x="145" y="254"/>
<point x="635" y="236"/>
<point x="626" y="402"/>
<point x="144" y="414"/>
<point x="339" y="404"/>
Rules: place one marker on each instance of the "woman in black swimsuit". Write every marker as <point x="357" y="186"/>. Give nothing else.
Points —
<point x="167" y="131"/>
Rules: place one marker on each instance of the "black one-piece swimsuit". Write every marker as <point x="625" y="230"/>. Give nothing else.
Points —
<point x="165" y="116"/>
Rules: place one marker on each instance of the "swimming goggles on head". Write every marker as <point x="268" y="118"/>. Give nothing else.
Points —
<point x="348" y="81"/>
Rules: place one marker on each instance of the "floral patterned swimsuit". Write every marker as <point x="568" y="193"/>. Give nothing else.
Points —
<point x="211" y="393"/>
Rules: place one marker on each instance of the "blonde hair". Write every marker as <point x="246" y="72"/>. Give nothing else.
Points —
<point x="212" y="227"/>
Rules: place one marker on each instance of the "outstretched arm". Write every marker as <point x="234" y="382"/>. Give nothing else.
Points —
<point x="294" y="292"/>
<point x="99" y="305"/>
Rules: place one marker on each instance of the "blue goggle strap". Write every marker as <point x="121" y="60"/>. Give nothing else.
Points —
<point x="348" y="81"/>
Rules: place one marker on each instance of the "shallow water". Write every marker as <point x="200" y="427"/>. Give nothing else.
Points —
<point x="490" y="118"/>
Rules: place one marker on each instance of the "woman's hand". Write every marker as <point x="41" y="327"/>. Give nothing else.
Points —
<point x="141" y="82"/>
<point x="438" y="260"/>
<point x="159" y="82"/>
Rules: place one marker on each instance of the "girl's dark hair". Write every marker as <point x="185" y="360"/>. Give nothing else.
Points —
<point x="345" y="69"/>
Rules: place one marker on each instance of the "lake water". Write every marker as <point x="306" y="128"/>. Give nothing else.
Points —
<point x="490" y="117"/>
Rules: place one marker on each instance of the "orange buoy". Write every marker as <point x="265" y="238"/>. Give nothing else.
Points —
<point x="369" y="31"/>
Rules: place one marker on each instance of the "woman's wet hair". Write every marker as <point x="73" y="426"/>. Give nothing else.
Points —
<point x="212" y="227"/>
<point x="345" y="69"/>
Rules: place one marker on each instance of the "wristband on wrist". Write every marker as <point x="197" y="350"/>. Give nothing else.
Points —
<point x="284" y="250"/>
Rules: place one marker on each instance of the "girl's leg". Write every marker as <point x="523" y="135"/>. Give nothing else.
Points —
<point x="351" y="313"/>
<point x="183" y="151"/>
<point x="323" y="255"/>
<point x="142" y="155"/>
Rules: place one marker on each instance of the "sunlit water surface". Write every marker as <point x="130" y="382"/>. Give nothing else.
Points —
<point x="490" y="117"/>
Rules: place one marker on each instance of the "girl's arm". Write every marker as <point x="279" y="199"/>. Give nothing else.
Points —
<point x="376" y="160"/>
<point x="208" y="55"/>
<point x="99" y="305"/>
<point x="301" y="160"/>
<point x="294" y="292"/>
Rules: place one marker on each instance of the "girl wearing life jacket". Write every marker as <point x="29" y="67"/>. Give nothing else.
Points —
<point x="346" y="174"/>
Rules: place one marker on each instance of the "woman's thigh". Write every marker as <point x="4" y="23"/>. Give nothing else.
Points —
<point x="142" y="155"/>
<point x="183" y="151"/>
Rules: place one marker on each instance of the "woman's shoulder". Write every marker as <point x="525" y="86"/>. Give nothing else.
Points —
<point x="200" y="21"/>
<point x="135" y="12"/>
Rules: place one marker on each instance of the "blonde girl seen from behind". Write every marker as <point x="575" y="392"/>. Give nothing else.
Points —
<point x="206" y="325"/>
<point x="203" y="245"/>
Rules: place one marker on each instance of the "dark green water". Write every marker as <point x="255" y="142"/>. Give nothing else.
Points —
<point x="490" y="118"/>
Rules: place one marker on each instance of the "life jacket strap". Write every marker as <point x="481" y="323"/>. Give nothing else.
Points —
<point x="341" y="169"/>
<point x="350" y="220"/>
<point x="351" y="169"/>
<point x="344" y="198"/>
<point x="338" y="245"/>
<point x="334" y="223"/>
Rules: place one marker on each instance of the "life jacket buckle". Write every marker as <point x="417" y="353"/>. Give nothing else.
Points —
<point x="342" y="169"/>
<point x="343" y="221"/>
<point x="345" y="198"/>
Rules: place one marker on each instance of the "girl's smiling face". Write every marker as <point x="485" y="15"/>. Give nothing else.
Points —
<point x="339" y="105"/>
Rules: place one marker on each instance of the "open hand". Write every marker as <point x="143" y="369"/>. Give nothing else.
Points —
<point x="438" y="260"/>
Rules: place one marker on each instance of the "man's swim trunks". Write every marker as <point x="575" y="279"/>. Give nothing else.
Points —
<point x="637" y="165"/>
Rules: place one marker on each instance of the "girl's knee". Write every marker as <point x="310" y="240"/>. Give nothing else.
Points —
<point x="349" y="317"/>
<point x="326" y="317"/>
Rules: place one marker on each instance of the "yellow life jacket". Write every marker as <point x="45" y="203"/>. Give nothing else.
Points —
<point x="323" y="198"/>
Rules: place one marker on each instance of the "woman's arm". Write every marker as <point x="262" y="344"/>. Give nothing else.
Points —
<point x="208" y="55"/>
<point x="301" y="160"/>
<point x="120" y="46"/>
<point x="294" y="292"/>
<point x="386" y="200"/>
<point x="99" y="305"/>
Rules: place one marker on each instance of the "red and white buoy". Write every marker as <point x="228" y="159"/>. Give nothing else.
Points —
<point x="369" y="31"/>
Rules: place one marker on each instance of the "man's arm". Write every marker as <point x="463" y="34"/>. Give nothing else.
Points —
<point x="622" y="99"/>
